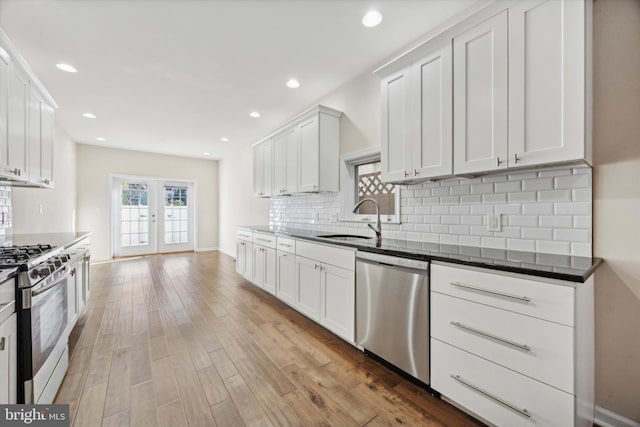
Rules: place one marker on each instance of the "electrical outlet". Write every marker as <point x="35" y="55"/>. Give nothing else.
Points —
<point x="494" y="222"/>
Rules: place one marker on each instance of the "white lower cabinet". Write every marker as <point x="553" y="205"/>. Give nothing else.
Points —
<point x="308" y="287"/>
<point x="264" y="268"/>
<point x="512" y="350"/>
<point x="244" y="259"/>
<point x="496" y="394"/>
<point x="8" y="360"/>
<point x="286" y="277"/>
<point x="337" y="300"/>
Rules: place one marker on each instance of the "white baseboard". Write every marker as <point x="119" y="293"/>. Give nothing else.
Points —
<point x="213" y="248"/>
<point x="232" y="255"/>
<point x="607" y="418"/>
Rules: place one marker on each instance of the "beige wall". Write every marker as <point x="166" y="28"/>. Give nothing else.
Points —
<point x="237" y="204"/>
<point x="58" y="204"/>
<point x="95" y="164"/>
<point x="616" y="135"/>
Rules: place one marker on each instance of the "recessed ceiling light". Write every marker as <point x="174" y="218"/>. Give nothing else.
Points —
<point x="66" y="67"/>
<point x="89" y="115"/>
<point x="293" y="83"/>
<point x="206" y="154"/>
<point x="224" y="139"/>
<point x="254" y="114"/>
<point x="372" y="18"/>
<point x="101" y="139"/>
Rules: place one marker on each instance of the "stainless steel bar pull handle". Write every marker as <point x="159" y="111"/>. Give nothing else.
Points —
<point x="286" y="245"/>
<point x="522" y="412"/>
<point x="491" y="336"/>
<point x="487" y="291"/>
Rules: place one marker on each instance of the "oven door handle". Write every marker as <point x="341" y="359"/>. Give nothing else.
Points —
<point x="52" y="284"/>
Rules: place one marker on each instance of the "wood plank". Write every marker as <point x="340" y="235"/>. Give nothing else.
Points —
<point x="213" y="386"/>
<point x="117" y="399"/>
<point x="140" y="360"/>
<point x="171" y="415"/>
<point x="226" y="414"/>
<point x="248" y="406"/>
<point x="121" y="419"/>
<point x="193" y="398"/>
<point x="223" y="363"/>
<point x="158" y="348"/>
<point x="71" y="391"/>
<point x="90" y="408"/>
<point x="143" y="405"/>
<point x="305" y="410"/>
<point x="164" y="381"/>
<point x="100" y="364"/>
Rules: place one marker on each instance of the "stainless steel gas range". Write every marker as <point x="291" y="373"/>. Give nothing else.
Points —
<point x="41" y="306"/>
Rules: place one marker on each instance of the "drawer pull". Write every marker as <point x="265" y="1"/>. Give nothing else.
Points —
<point x="263" y="240"/>
<point x="286" y="245"/>
<point x="522" y="412"/>
<point x="493" y="337"/>
<point x="487" y="291"/>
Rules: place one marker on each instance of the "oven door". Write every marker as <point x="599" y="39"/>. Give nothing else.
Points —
<point x="48" y="331"/>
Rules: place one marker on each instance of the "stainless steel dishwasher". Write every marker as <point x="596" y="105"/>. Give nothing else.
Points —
<point x="392" y="311"/>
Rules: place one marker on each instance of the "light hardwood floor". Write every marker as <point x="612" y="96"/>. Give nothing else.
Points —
<point x="182" y="340"/>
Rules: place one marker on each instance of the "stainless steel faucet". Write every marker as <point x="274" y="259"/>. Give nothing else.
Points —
<point x="378" y="228"/>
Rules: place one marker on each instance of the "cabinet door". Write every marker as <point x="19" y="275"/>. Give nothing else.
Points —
<point x="35" y="136"/>
<point x="270" y="265"/>
<point x="72" y="300"/>
<point x="291" y="164"/>
<point x="257" y="276"/>
<point x="337" y="312"/>
<point x="240" y="257"/>
<point x="395" y="138"/>
<point x="248" y="261"/>
<point x="279" y="165"/>
<point x="286" y="277"/>
<point x="4" y="110"/>
<point x="309" y="166"/>
<point x="18" y="110"/>
<point x="267" y="169"/>
<point x="258" y="171"/>
<point x="432" y="144"/>
<point x="308" y="283"/>
<point x="47" y="145"/>
<point x="8" y="360"/>
<point x="546" y="82"/>
<point x="480" y="97"/>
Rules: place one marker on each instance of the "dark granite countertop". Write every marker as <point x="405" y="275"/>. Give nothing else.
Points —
<point x="560" y="267"/>
<point x="54" y="239"/>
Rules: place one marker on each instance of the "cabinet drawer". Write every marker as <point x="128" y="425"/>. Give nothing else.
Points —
<point x="538" y="299"/>
<point x="537" y="348"/>
<point x="286" y="245"/>
<point x="496" y="394"/>
<point x="245" y="235"/>
<point x="342" y="258"/>
<point x="267" y="240"/>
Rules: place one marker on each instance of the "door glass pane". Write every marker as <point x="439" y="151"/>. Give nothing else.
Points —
<point x="135" y="214"/>
<point x="176" y="223"/>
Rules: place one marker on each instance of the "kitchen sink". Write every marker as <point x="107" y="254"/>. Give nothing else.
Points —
<point x="343" y="236"/>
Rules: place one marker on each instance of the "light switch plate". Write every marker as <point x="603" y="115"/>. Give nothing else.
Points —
<point x="494" y="222"/>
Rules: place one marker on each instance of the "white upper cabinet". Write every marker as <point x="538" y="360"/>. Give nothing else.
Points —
<point x="15" y="163"/>
<point x="507" y="87"/>
<point x="395" y="155"/>
<point x="27" y="124"/>
<point x="416" y="119"/>
<point x="306" y="154"/>
<point x="480" y="102"/>
<point x="262" y="169"/>
<point x="547" y="98"/>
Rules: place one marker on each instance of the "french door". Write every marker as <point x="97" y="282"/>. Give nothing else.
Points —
<point x="152" y="216"/>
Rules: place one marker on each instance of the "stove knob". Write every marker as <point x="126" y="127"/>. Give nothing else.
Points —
<point x="64" y="257"/>
<point x="43" y="271"/>
<point x="56" y="262"/>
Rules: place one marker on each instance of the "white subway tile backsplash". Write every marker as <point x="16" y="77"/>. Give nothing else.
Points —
<point x="537" y="184"/>
<point x="554" y="196"/>
<point x="572" y="181"/>
<point x="557" y="221"/>
<point x="482" y="188"/>
<point x="508" y="187"/>
<point x="547" y="210"/>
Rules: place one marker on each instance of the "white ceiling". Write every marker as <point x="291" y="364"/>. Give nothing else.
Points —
<point x="174" y="76"/>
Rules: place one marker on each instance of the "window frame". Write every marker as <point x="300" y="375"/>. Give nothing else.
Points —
<point x="348" y="190"/>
